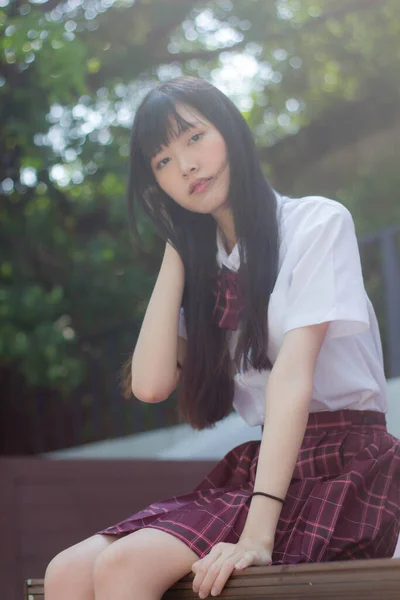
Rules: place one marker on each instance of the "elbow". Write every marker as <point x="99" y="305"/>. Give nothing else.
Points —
<point x="151" y="395"/>
<point x="152" y="385"/>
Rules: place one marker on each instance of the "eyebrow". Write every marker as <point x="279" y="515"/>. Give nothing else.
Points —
<point x="191" y="125"/>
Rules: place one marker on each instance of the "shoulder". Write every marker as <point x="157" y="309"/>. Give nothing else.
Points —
<point x="311" y="213"/>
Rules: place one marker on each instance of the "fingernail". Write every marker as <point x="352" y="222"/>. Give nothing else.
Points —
<point x="214" y="592"/>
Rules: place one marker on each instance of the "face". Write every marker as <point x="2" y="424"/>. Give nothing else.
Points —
<point x="193" y="169"/>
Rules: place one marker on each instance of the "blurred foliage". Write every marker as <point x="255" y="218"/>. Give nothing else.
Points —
<point x="71" y="75"/>
<point x="373" y="201"/>
<point x="373" y="198"/>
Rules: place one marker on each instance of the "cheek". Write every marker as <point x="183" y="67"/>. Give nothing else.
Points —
<point x="217" y="160"/>
<point x="217" y="149"/>
<point x="171" y="183"/>
<point x="166" y="180"/>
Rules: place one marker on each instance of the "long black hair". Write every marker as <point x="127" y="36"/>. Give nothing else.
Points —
<point x="206" y="386"/>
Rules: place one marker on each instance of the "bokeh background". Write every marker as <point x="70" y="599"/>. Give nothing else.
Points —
<point x="319" y="84"/>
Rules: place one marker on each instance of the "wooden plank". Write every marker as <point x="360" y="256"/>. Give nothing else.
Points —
<point x="363" y="580"/>
<point x="67" y="494"/>
<point x="9" y="546"/>
<point x="53" y="544"/>
<point x="63" y="492"/>
<point x="33" y="589"/>
<point x="47" y="520"/>
<point x="49" y="505"/>
<point x="352" y="580"/>
<point x="34" y="470"/>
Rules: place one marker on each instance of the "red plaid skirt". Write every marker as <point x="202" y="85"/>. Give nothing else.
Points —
<point x="343" y="501"/>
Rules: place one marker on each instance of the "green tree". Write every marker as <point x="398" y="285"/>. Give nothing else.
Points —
<point x="309" y="76"/>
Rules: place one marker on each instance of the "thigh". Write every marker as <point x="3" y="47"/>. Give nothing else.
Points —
<point x="148" y="558"/>
<point x="71" y="571"/>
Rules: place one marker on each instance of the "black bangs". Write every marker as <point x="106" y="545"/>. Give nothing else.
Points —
<point x="158" y="123"/>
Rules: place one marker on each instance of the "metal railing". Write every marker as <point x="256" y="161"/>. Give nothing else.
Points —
<point x="108" y="415"/>
<point x="385" y="296"/>
<point x="97" y="410"/>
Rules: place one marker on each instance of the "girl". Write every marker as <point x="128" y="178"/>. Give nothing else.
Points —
<point x="259" y="305"/>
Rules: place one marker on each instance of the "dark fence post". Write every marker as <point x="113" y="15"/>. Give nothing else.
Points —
<point x="391" y="279"/>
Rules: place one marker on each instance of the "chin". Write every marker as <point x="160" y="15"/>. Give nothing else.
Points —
<point x="211" y="209"/>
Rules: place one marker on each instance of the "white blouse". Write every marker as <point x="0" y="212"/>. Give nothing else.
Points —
<point x="319" y="279"/>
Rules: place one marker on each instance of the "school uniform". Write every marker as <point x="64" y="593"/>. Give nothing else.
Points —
<point x="343" y="501"/>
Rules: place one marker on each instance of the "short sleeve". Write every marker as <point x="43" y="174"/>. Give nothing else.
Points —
<point x="182" y="325"/>
<point x="327" y="282"/>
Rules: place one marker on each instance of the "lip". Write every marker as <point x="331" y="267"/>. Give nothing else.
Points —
<point x="199" y="185"/>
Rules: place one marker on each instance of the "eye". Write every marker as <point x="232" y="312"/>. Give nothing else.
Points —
<point x="196" y="137"/>
<point x="162" y="163"/>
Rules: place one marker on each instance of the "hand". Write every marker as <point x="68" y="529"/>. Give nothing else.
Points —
<point x="213" y="571"/>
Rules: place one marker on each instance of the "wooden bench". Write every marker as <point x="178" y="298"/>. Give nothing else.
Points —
<point x="351" y="580"/>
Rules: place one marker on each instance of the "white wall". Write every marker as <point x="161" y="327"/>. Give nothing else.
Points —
<point x="393" y="416"/>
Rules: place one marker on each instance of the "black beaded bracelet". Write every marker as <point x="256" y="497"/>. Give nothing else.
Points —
<point x="267" y="496"/>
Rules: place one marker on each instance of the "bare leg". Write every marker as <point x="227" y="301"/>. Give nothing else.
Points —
<point x="144" y="564"/>
<point x="70" y="573"/>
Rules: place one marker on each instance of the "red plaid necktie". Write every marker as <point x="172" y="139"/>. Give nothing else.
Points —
<point x="228" y="303"/>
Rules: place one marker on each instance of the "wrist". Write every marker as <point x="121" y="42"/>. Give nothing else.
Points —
<point x="262" y="519"/>
<point x="249" y="537"/>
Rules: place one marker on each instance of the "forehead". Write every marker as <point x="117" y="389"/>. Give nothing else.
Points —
<point x="188" y="114"/>
<point x="163" y="121"/>
<point x="184" y="119"/>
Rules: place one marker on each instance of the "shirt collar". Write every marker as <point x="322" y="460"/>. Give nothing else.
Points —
<point x="232" y="260"/>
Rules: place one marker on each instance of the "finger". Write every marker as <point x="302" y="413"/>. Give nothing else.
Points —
<point x="209" y="579"/>
<point x="209" y="575"/>
<point x="203" y="566"/>
<point x="222" y="577"/>
<point x="208" y="559"/>
<point x="246" y="560"/>
<point x="195" y="566"/>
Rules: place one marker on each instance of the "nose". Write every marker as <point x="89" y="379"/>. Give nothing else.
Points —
<point x="188" y="168"/>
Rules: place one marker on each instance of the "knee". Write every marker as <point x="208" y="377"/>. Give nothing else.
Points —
<point x="114" y="562"/>
<point x="109" y="565"/>
<point x="59" y="569"/>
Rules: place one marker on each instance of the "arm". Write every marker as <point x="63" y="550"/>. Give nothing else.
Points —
<point x="289" y="392"/>
<point x="154" y="362"/>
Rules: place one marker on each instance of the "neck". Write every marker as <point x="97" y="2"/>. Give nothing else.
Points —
<point x="229" y="243"/>
<point x="226" y="225"/>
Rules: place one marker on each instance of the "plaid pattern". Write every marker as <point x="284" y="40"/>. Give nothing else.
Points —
<point x="343" y="501"/>
<point x="228" y="303"/>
